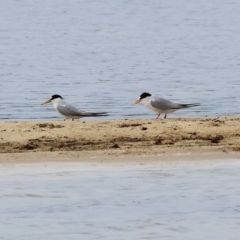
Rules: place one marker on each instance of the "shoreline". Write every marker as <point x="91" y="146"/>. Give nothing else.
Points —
<point x="102" y="157"/>
<point x="115" y="139"/>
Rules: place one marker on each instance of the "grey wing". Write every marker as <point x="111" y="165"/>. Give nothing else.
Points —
<point x="163" y="104"/>
<point x="69" y="110"/>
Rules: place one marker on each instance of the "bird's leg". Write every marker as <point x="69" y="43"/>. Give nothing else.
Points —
<point x="165" y="115"/>
<point x="72" y="119"/>
<point x="158" y="116"/>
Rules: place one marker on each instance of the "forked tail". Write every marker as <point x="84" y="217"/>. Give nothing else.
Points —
<point x="101" y="114"/>
<point x="189" y="105"/>
<point x="95" y="114"/>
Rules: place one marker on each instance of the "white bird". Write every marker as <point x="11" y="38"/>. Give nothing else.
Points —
<point x="161" y="105"/>
<point x="68" y="111"/>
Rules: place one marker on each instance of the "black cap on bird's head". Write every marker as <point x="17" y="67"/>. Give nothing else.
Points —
<point x="55" y="96"/>
<point x="142" y="96"/>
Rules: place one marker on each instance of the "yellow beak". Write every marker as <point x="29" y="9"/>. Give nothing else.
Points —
<point x="48" y="101"/>
<point x="136" y="102"/>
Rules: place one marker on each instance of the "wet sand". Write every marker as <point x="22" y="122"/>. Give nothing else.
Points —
<point x="61" y="141"/>
<point x="117" y="158"/>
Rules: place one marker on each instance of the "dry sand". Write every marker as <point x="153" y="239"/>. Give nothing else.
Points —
<point x="61" y="141"/>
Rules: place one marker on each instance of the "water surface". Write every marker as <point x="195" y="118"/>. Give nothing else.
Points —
<point x="174" y="200"/>
<point x="100" y="55"/>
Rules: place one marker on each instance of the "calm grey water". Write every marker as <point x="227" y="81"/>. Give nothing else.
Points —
<point x="100" y="55"/>
<point x="103" y="201"/>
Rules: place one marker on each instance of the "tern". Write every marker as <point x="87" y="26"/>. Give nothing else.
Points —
<point x="68" y="111"/>
<point x="161" y="105"/>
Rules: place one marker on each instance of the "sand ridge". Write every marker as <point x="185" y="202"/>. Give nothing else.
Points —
<point x="126" y="136"/>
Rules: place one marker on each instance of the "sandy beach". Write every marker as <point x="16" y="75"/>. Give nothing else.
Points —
<point x="59" y="141"/>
